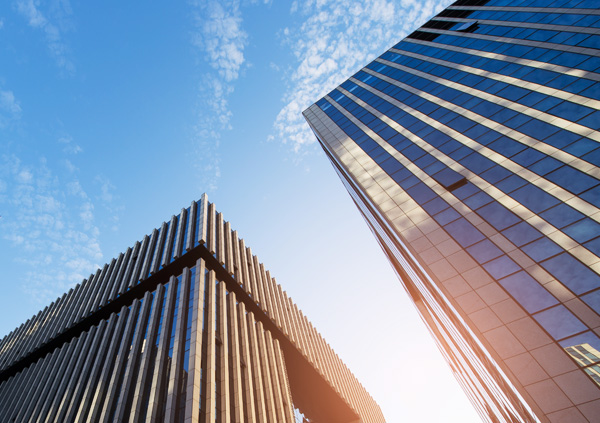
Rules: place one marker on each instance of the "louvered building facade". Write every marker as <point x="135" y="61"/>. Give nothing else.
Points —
<point x="472" y="148"/>
<point x="185" y="326"/>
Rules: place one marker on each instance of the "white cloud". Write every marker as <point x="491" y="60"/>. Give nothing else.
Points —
<point x="334" y="41"/>
<point x="220" y="40"/>
<point x="52" y="28"/>
<point x="10" y="110"/>
<point x="69" y="146"/>
<point x="48" y="219"/>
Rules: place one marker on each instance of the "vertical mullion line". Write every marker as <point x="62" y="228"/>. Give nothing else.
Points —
<point x="163" y="353"/>
<point x="252" y="273"/>
<point x="302" y="331"/>
<point x="69" y="373"/>
<point x="259" y="394"/>
<point x="321" y="367"/>
<point x="310" y="340"/>
<point x="35" y="338"/>
<point x="293" y="335"/>
<point x="131" y="371"/>
<point x="143" y="373"/>
<point x="165" y="230"/>
<point x="76" y="394"/>
<point x="266" y="292"/>
<point x="247" y="372"/>
<point x="191" y="227"/>
<point x="174" y="382"/>
<point x="193" y="390"/>
<point x="117" y="278"/>
<point x="202" y="227"/>
<point x="139" y="263"/>
<point x="54" y="318"/>
<point x="227" y="237"/>
<point x="61" y="313"/>
<point x="27" y="390"/>
<point x="33" y="396"/>
<point x="148" y="257"/>
<point x="89" y="296"/>
<point x="104" y="286"/>
<point x="288" y="408"/>
<point x="177" y="249"/>
<point x="275" y="380"/>
<point x="275" y="312"/>
<point x="168" y="248"/>
<point x="237" y="263"/>
<point x="280" y="320"/>
<point x="236" y="377"/>
<point x="98" y="286"/>
<point x="114" y="383"/>
<point x="17" y="348"/>
<point x="49" y="389"/>
<point x="210" y="378"/>
<point x="220" y="239"/>
<point x="80" y="410"/>
<point x="116" y="338"/>
<point x="245" y="277"/>
<point x="77" y="294"/>
<point x="10" y="348"/>
<point x="266" y="372"/>
<point x="211" y="230"/>
<point x="110" y="280"/>
<point x="223" y="353"/>
<point x="129" y="268"/>
<point x="286" y="329"/>
<point x="259" y="283"/>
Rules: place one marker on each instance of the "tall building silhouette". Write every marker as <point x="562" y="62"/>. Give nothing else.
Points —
<point x="471" y="148"/>
<point x="185" y="326"/>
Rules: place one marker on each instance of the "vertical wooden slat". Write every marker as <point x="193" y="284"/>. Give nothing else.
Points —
<point x="210" y="379"/>
<point x="113" y="283"/>
<point x="259" y="394"/>
<point x="168" y="247"/>
<point x="236" y="370"/>
<point x="202" y="229"/>
<point x="228" y="248"/>
<point x="284" y="383"/>
<point x="275" y="380"/>
<point x="177" y="249"/>
<point x="212" y="230"/>
<point x="149" y="256"/>
<point x="237" y="264"/>
<point x="193" y="391"/>
<point x="191" y="227"/>
<point x="266" y="373"/>
<point x="116" y="284"/>
<point x="174" y="382"/>
<point x="268" y="303"/>
<point x="252" y="276"/>
<point x="259" y="283"/>
<point x="160" y="247"/>
<point x="102" y="286"/>
<point x="158" y="377"/>
<point x="220" y="239"/>
<point x="247" y="371"/>
<point x="139" y="263"/>
<point x="126" y="386"/>
<point x="223" y="353"/>
<point x="133" y="257"/>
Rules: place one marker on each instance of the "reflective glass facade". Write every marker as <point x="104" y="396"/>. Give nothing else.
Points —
<point x="185" y="326"/>
<point x="472" y="149"/>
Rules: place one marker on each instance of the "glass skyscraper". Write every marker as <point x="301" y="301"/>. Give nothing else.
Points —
<point x="472" y="149"/>
<point x="185" y="326"/>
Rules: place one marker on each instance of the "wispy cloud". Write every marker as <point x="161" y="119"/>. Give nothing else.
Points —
<point x="52" y="28"/>
<point x="334" y="40"/>
<point x="49" y="218"/>
<point x="220" y="41"/>
<point x="10" y="110"/>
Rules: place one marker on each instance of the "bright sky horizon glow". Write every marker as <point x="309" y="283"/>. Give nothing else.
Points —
<point x="115" y="116"/>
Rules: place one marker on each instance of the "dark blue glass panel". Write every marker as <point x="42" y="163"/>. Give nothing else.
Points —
<point x="561" y="215"/>
<point x="478" y="200"/>
<point x="465" y="191"/>
<point x="435" y="206"/>
<point x="521" y="234"/>
<point x="501" y="267"/>
<point x="498" y="216"/>
<point x="446" y="216"/>
<point x="593" y="246"/>
<point x="576" y="276"/>
<point x="464" y="232"/>
<point x="528" y="157"/>
<point x="534" y="198"/>
<point x="484" y="251"/>
<point x="572" y="179"/>
<point x="593" y="300"/>
<point x="592" y="196"/>
<point x="421" y="193"/>
<point x="559" y="322"/>
<point x="542" y="249"/>
<point x="583" y="230"/>
<point x="528" y="292"/>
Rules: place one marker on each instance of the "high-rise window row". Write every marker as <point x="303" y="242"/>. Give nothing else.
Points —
<point x="185" y="326"/>
<point x="472" y="148"/>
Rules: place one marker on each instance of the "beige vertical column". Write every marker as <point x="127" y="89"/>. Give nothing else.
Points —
<point x="245" y="278"/>
<point x="247" y="372"/>
<point x="162" y="355"/>
<point x="228" y="248"/>
<point x="212" y="230"/>
<point x="275" y="379"/>
<point x="148" y="345"/>
<point x="192" y="400"/>
<point x="310" y="342"/>
<point x="252" y="276"/>
<point x="279" y="319"/>
<point x="139" y="263"/>
<point x="259" y="283"/>
<point x="266" y="373"/>
<point x="223" y="354"/>
<point x="259" y="394"/>
<point x="177" y="248"/>
<point x="190" y="228"/>
<point x="293" y="335"/>
<point x="270" y="308"/>
<point x="220" y="239"/>
<point x="174" y="383"/>
<point x="236" y="369"/>
<point x="210" y="379"/>
<point x="203" y="220"/>
<point x="237" y="263"/>
<point x="301" y="333"/>
<point x="165" y="231"/>
<point x="283" y="323"/>
<point x="288" y="404"/>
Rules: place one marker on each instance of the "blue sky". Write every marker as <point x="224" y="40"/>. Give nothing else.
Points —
<point x="114" y="116"/>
